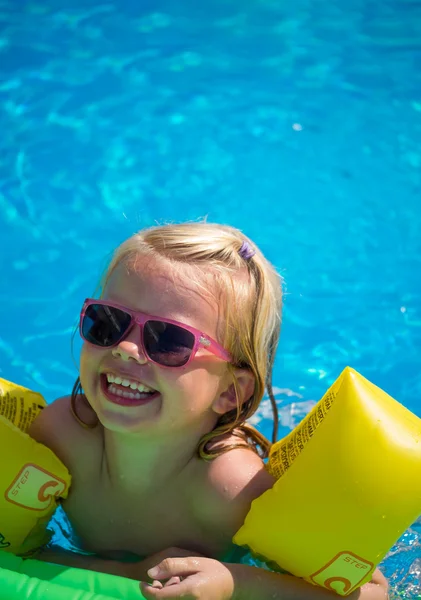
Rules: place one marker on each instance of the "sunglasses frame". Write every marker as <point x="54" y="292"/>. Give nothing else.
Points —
<point x="201" y="339"/>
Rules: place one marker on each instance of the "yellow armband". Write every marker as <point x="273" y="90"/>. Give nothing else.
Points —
<point x="32" y="478"/>
<point x="348" y="485"/>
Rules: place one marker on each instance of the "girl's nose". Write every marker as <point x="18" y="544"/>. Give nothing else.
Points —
<point x="130" y="348"/>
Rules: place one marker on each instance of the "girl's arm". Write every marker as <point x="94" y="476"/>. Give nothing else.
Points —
<point x="236" y="479"/>
<point x="92" y="563"/>
<point x="134" y="570"/>
<point x="252" y="583"/>
<point x="208" y="579"/>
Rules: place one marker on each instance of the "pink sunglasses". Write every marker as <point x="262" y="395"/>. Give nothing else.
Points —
<point x="166" y="343"/>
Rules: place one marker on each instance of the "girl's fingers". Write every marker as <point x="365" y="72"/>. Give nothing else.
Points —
<point x="170" y="567"/>
<point x="179" y="590"/>
<point x="172" y="581"/>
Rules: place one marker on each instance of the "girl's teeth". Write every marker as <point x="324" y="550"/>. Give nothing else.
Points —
<point x="119" y="392"/>
<point x="133" y="385"/>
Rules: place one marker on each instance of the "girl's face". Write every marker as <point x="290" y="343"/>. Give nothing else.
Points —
<point x="181" y="398"/>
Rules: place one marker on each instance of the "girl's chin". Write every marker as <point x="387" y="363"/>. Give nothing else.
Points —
<point x="119" y="418"/>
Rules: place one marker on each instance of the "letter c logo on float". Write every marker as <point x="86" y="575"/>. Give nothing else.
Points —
<point x="345" y="572"/>
<point x="35" y="488"/>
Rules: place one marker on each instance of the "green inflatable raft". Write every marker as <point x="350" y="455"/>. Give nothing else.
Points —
<point x="35" y="580"/>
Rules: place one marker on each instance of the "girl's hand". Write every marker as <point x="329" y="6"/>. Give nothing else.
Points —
<point x="140" y="569"/>
<point x="190" y="578"/>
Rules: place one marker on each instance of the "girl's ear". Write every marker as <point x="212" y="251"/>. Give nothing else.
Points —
<point x="231" y="397"/>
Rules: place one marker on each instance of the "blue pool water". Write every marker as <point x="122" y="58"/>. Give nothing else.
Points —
<point x="298" y="122"/>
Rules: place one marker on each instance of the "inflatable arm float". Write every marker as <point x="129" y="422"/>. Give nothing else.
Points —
<point x="32" y="478"/>
<point x="348" y="486"/>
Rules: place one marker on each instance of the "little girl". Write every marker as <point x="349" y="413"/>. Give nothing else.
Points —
<point x="178" y="349"/>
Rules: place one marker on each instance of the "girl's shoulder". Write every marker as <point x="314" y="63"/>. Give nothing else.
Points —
<point x="231" y="482"/>
<point x="239" y="474"/>
<point x="57" y="428"/>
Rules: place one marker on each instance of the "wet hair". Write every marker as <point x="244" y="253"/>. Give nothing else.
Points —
<point x="249" y="293"/>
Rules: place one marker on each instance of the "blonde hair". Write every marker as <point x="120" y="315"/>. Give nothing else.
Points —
<point x="250" y="293"/>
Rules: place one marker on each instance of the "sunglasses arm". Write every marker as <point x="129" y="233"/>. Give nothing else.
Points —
<point x="215" y="348"/>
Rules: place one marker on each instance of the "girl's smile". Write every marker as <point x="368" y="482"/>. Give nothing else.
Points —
<point x="126" y="392"/>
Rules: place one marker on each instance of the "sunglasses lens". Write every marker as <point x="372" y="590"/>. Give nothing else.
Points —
<point x="166" y="344"/>
<point x="104" y="325"/>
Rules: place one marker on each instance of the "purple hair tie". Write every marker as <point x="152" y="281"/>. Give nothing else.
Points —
<point x="246" y="251"/>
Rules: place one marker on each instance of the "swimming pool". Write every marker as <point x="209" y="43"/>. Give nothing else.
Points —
<point x="298" y="122"/>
